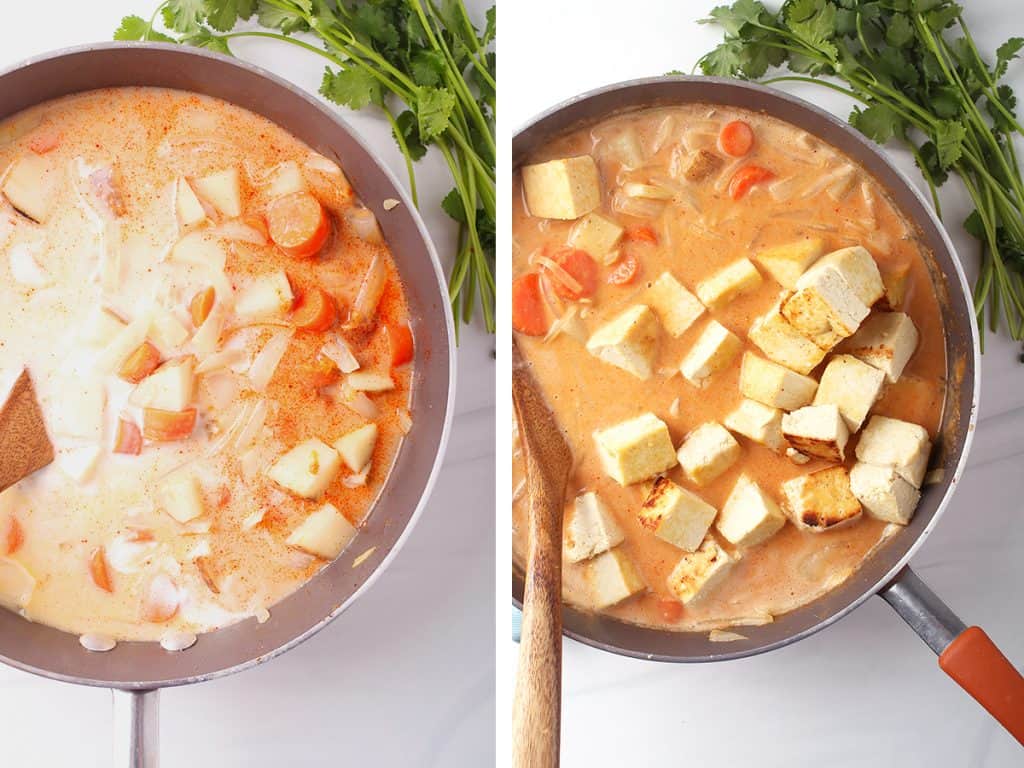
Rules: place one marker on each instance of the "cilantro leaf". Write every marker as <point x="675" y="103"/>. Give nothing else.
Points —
<point x="491" y="29"/>
<point x="288" y="21"/>
<point x="1008" y="99"/>
<point x="204" y="38"/>
<point x="723" y="61"/>
<point x="137" y="28"/>
<point x="433" y="110"/>
<point x="453" y="206"/>
<point x="427" y="68"/>
<point x="735" y="18"/>
<point x="878" y="122"/>
<point x="900" y="31"/>
<point x="410" y="130"/>
<point x="224" y="14"/>
<point x="941" y="18"/>
<point x="928" y="161"/>
<point x="185" y="16"/>
<point x="1006" y="53"/>
<point x="815" y="30"/>
<point x="949" y="142"/>
<point x="354" y="88"/>
<point x="377" y="25"/>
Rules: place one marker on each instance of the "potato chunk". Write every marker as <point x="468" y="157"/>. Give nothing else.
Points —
<point x="821" y="500"/>
<point x="307" y="469"/>
<point x="698" y="573"/>
<point x="759" y="422"/>
<point x="716" y="348"/>
<point x="636" y="449"/>
<point x="591" y="529"/>
<point x="676" y="515"/>
<point x="190" y="210"/>
<point x="267" y="297"/>
<point x="725" y="285"/>
<point x="676" y="307"/>
<point x="595" y="234"/>
<point x="325" y="533"/>
<point x="562" y="189"/>
<point x="30" y="186"/>
<point x="222" y="190"/>
<point x="887" y="341"/>
<point x="852" y="385"/>
<point x="181" y="497"/>
<point x="171" y="387"/>
<point x="780" y="341"/>
<point x="817" y="430"/>
<point x="883" y="493"/>
<point x="750" y="516"/>
<point x="898" y="444"/>
<point x="787" y="262"/>
<point x="613" y="578"/>
<point x="628" y="341"/>
<point x="771" y="384"/>
<point x="707" y="452"/>
<point x="356" y="447"/>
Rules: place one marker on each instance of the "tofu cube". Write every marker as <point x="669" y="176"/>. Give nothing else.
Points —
<point x="181" y="497"/>
<point x="716" y="348"/>
<point x="883" y="493"/>
<point x="356" y="447"/>
<point x="171" y="387"/>
<point x="636" y="449"/>
<point x="787" y="262"/>
<point x="562" y="189"/>
<point x="858" y="268"/>
<point x="675" y="306"/>
<point x="824" y="307"/>
<point x="898" y="444"/>
<point x="222" y="190"/>
<point x="725" y="285"/>
<point x="267" y="297"/>
<point x="817" y="430"/>
<point x="595" y="234"/>
<point x="613" y="578"/>
<point x="852" y="385"/>
<point x="780" y="341"/>
<point x="591" y="529"/>
<point x="190" y="211"/>
<point x="758" y="422"/>
<point x="821" y="500"/>
<point x="771" y="384"/>
<point x="750" y="516"/>
<point x="887" y="340"/>
<point x="895" y="280"/>
<point x="30" y="185"/>
<point x="707" y="452"/>
<point x="307" y="469"/>
<point x="698" y="573"/>
<point x="325" y="533"/>
<point x="628" y="341"/>
<point x="700" y="165"/>
<point x="676" y="515"/>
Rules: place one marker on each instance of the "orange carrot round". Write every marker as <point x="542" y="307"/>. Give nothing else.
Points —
<point x="167" y="426"/>
<point x="400" y="341"/>
<point x="581" y="268"/>
<point x="202" y="305"/>
<point x="625" y="272"/>
<point x="745" y="178"/>
<point x="315" y="311"/>
<point x="736" y="138"/>
<point x="140" y="363"/>
<point x="99" y="571"/>
<point x="298" y="224"/>
<point x="528" y="316"/>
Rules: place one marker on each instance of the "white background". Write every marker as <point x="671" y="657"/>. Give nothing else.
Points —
<point x="866" y="691"/>
<point x="406" y="676"/>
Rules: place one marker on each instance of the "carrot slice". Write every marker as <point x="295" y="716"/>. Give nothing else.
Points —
<point x="745" y="178"/>
<point x="625" y="272"/>
<point x="161" y="600"/>
<point x="315" y="311"/>
<point x="206" y="571"/>
<point x="47" y="140"/>
<point x="99" y="571"/>
<point x="670" y="610"/>
<point x="202" y="305"/>
<point x="298" y="224"/>
<point x="129" y="438"/>
<point x="140" y="363"/>
<point x="640" y="235"/>
<point x="322" y="372"/>
<point x="528" y="316"/>
<point x="15" y="536"/>
<point x="736" y="138"/>
<point x="581" y="268"/>
<point x="167" y="426"/>
<point x="400" y="341"/>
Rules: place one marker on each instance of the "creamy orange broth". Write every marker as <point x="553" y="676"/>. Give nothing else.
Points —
<point x="701" y="230"/>
<point x="232" y="561"/>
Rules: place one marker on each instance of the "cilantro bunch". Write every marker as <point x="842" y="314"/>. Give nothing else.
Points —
<point x="922" y="81"/>
<point x="422" y="63"/>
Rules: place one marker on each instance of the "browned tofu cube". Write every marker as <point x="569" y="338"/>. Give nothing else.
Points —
<point x="701" y="165"/>
<point x="821" y="500"/>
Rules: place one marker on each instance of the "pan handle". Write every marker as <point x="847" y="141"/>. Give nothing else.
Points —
<point x="965" y="653"/>
<point x="136" y="729"/>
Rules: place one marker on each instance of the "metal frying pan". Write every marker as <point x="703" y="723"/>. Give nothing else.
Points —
<point x="136" y="671"/>
<point x="965" y="654"/>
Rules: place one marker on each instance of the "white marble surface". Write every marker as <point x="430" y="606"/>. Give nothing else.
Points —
<point x="866" y="691"/>
<point x="406" y="676"/>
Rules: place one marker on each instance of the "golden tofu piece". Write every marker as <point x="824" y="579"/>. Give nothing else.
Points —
<point x="883" y="493"/>
<point x="887" y="341"/>
<point x="858" y="268"/>
<point x="852" y="385"/>
<point x="824" y="307"/>
<point x="716" y="348"/>
<point x="636" y="449"/>
<point x="787" y="262"/>
<point x="895" y="280"/>
<point x="628" y="341"/>
<point x="698" y="573"/>
<point x="902" y="445"/>
<point x="772" y="384"/>
<point x="750" y="516"/>
<point x="562" y="189"/>
<point x="821" y="500"/>
<point x="677" y="308"/>
<point x="707" y="452"/>
<point x="595" y="234"/>
<point x="613" y="578"/>
<point x="725" y="285"/>
<point x="676" y="515"/>
<point x="701" y="165"/>
<point x="758" y="422"/>
<point x="817" y="430"/>
<point x="780" y="341"/>
<point x="591" y="530"/>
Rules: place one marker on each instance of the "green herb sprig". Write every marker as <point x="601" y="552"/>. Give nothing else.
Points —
<point x="421" y="62"/>
<point x="917" y="71"/>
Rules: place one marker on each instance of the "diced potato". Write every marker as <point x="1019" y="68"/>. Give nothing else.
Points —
<point x="196" y="248"/>
<point x="716" y="348"/>
<point x="268" y="296"/>
<point x="79" y="463"/>
<point x="636" y="449"/>
<point x="613" y="578"/>
<point x="78" y="410"/>
<point x="325" y="533"/>
<point x="356" y="447"/>
<point x="883" y="493"/>
<point x="628" y="341"/>
<point x="675" y="306"/>
<point x="367" y="381"/>
<point x="285" y="179"/>
<point x="222" y="190"/>
<point x="858" y="268"/>
<point x="824" y="308"/>
<point x="30" y="186"/>
<point x="181" y="497"/>
<point x="725" y="285"/>
<point x="817" y="430"/>
<point x="676" y="515"/>
<point x="171" y="387"/>
<point x="750" y="516"/>
<point x="307" y="469"/>
<point x="190" y="210"/>
<point x="771" y="384"/>
<point x="701" y="164"/>
<point x="821" y="500"/>
<point x="167" y="331"/>
<point x="852" y="385"/>
<point x="595" y="234"/>
<point x="707" y="452"/>
<point x="758" y="422"/>
<point x="781" y="342"/>
<point x="591" y="530"/>
<point x="698" y="573"/>
<point x="562" y="189"/>
<point x="787" y="262"/>
<point x="100" y="327"/>
<point x="887" y="340"/>
<point x="898" y="444"/>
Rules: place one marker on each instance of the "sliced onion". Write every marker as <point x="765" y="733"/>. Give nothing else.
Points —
<point x="783" y="189"/>
<point x="364" y="224"/>
<point x="253" y="426"/>
<point x="359" y="402"/>
<point x="254" y="519"/>
<point x="404" y="419"/>
<point x="560" y="275"/>
<point x="723" y="636"/>
<point x="239" y="420"/>
<point x="320" y="163"/>
<point x="264" y="365"/>
<point x="370" y="291"/>
<point x="25" y="269"/>
<point x="218" y="361"/>
<point x="725" y="175"/>
<point x="663" y="133"/>
<point x="569" y="323"/>
<point x="236" y="229"/>
<point x="647" y="191"/>
<point x="641" y="208"/>
<point x="207" y="338"/>
<point x="337" y="350"/>
<point x="357" y="481"/>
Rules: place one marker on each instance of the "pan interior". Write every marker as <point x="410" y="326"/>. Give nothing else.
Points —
<point x="960" y="342"/>
<point x="46" y="651"/>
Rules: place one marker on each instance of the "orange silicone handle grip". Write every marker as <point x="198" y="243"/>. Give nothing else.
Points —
<point x="980" y="668"/>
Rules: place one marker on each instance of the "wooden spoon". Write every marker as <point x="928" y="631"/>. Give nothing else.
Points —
<point x="536" y="712"/>
<point x="24" y="445"/>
